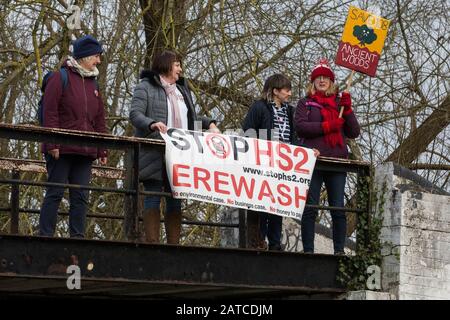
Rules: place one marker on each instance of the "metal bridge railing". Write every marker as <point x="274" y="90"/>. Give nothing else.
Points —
<point x="130" y="176"/>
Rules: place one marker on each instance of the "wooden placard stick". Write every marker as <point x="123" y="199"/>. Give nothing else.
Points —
<point x="347" y="89"/>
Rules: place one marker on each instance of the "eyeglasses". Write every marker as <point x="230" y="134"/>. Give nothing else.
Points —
<point x="323" y="78"/>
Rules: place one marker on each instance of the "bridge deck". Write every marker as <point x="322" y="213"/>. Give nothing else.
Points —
<point x="37" y="266"/>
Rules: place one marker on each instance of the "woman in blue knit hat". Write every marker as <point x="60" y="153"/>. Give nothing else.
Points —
<point x="72" y="101"/>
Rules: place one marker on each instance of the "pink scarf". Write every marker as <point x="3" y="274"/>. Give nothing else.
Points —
<point x="171" y="92"/>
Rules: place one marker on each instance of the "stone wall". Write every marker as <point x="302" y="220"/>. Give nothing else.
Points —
<point x="416" y="234"/>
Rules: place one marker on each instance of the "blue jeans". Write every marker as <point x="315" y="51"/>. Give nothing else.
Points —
<point x="335" y="184"/>
<point x="270" y="225"/>
<point x="153" y="202"/>
<point x="73" y="169"/>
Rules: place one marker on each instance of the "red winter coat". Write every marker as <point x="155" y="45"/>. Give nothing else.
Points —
<point x="78" y="106"/>
<point x="308" y="124"/>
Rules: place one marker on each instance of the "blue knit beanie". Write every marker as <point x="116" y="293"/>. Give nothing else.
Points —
<point x="86" y="46"/>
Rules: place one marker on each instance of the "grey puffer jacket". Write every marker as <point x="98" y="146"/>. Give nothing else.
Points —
<point x="149" y="105"/>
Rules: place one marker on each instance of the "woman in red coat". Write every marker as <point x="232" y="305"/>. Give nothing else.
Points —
<point x="76" y="105"/>
<point x="318" y="125"/>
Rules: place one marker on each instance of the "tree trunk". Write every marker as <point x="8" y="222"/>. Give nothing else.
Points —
<point x="163" y="22"/>
<point x="419" y="139"/>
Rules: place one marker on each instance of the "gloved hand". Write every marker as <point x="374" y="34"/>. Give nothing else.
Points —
<point x="332" y="125"/>
<point x="346" y="102"/>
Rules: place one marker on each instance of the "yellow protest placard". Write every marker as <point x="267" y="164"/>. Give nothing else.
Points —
<point x="362" y="41"/>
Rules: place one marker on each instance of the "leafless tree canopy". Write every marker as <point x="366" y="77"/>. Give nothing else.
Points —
<point x="229" y="48"/>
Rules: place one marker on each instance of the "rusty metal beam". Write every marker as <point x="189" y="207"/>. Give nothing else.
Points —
<point x="63" y="136"/>
<point x="340" y="165"/>
<point x="38" y="166"/>
<point x="158" y="271"/>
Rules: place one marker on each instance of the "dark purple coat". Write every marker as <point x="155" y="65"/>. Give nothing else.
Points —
<point x="78" y="106"/>
<point x="308" y="124"/>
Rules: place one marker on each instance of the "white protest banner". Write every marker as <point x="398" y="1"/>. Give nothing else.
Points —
<point x="239" y="172"/>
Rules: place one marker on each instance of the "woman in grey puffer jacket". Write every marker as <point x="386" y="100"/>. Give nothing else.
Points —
<point x="162" y="99"/>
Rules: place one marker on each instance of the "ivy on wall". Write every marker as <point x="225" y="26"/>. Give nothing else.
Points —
<point x="353" y="270"/>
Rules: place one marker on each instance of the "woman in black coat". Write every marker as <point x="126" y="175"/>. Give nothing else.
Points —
<point x="271" y="118"/>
